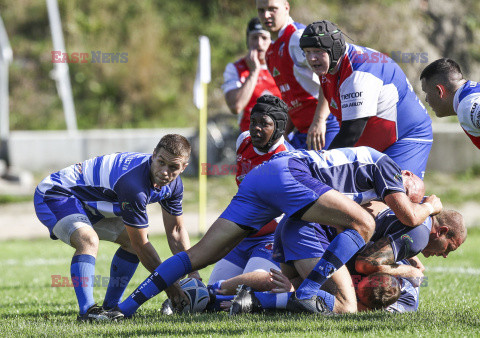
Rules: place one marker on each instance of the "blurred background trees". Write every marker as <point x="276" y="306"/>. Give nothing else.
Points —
<point x="154" y="88"/>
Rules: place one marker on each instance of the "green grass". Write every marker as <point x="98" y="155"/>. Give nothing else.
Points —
<point x="29" y="306"/>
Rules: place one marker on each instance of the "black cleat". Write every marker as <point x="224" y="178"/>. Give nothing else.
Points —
<point x="97" y="313"/>
<point x="115" y="314"/>
<point x="167" y="308"/>
<point x="314" y="304"/>
<point x="245" y="302"/>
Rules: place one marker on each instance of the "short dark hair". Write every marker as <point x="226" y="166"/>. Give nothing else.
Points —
<point x="444" y="70"/>
<point x="175" y="144"/>
<point x="382" y="290"/>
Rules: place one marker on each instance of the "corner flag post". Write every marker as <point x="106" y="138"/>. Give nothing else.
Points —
<point x="200" y="99"/>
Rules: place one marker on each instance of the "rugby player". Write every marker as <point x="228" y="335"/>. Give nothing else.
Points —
<point x="370" y="96"/>
<point x="298" y="84"/>
<point x="449" y="94"/>
<point x="106" y="198"/>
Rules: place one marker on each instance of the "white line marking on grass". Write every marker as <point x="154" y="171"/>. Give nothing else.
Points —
<point x="468" y="271"/>
<point x="33" y="262"/>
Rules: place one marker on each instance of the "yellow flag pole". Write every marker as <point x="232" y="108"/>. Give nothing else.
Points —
<point x="200" y="99"/>
<point x="202" y="169"/>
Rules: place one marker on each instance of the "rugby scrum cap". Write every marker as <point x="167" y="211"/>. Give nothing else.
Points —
<point x="254" y="26"/>
<point x="325" y="35"/>
<point x="277" y="110"/>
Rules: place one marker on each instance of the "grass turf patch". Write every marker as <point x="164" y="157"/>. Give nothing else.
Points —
<point x="29" y="305"/>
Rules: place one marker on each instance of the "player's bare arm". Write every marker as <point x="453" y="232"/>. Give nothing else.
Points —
<point x="177" y="236"/>
<point x="412" y="214"/>
<point x="349" y="134"/>
<point x="379" y="257"/>
<point x="318" y="128"/>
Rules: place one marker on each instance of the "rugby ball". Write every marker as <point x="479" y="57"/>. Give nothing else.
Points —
<point x="197" y="293"/>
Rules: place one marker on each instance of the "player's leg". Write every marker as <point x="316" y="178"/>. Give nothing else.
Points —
<point x="220" y="238"/>
<point x="256" y="273"/>
<point x="338" y="211"/>
<point x="124" y="262"/>
<point x="66" y="220"/>
<point x="332" y="130"/>
<point x="228" y="267"/>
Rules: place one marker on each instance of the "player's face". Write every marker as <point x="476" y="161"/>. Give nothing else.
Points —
<point x="439" y="246"/>
<point x="318" y="60"/>
<point x="273" y="14"/>
<point x="165" y="167"/>
<point x="414" y="186"/>
<point x="260" y="42"/>
<point x="433" y="96"/>
<point x="262" y="128"/>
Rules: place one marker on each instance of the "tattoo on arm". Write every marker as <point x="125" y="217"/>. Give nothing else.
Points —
<point x="379" y="253"/>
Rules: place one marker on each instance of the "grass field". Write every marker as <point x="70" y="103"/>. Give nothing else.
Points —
<point x="30" y="306"/>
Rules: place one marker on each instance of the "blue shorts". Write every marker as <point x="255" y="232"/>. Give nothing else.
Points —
<point x="299" y="140"/>
<point x="52" y="208"/>
<point x="282" y="185"/>
<point x="297" y="239"/>
<point x="252" y="247"/>
<point x="410" y="155"/>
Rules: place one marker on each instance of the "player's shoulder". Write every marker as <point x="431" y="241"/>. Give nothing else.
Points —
<point x="468" y="89"/>
<point x="468" y="113"/>
<point x="130" y="171"/>
<point x="368" y="60"/>
<point x="242" y="138"/>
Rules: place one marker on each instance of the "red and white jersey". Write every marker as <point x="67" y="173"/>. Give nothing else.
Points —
<point x="248" y="157"/>
<point x="370" y="84"/>
<point x="235" y="76"/>
<point x="297" y="82"/>
<point x="466" y="104"/>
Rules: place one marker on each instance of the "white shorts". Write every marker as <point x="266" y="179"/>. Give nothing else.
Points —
<point x="107" y="229"/>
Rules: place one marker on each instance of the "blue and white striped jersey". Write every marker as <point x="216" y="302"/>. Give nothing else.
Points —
<point x="114" y="185"/>
<point x="361" y="173"/>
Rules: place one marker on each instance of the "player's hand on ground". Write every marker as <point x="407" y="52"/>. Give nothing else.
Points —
<point x="252" y="60"/>
<point x="435" y="202"/>
<point x="316" y="135"/>
<point x="177" y="296"/>
<point x="195" y="274"/>
<point x="282" y="283"/>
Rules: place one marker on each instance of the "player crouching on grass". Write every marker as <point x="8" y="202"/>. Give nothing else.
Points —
<point x="106" y="198"/>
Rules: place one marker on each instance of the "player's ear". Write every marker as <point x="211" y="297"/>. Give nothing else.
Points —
<point x="441" y="231"/>
<point x="441" y="91"/>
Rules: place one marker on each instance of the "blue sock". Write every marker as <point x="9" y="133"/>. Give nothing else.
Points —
<point x="328" y="298"/>
<point x="164" y="275"/>
<point x="82" y="270"/>
<point x="273" y="300"/>
<point x="340" y="250"/>
<point x="122" y="269"/>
